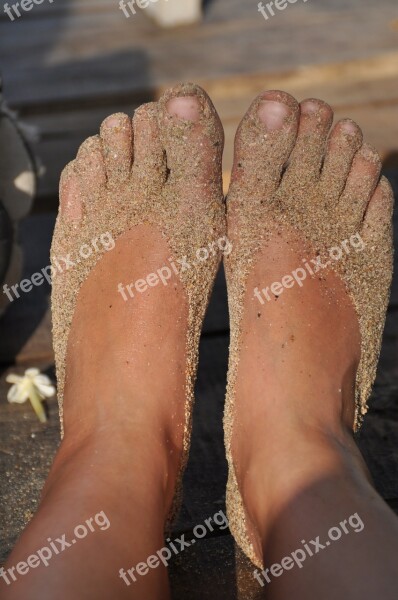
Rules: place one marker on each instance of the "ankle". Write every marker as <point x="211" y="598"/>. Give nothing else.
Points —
<point x="291" y="461"/>
<point x="102" y="459"/>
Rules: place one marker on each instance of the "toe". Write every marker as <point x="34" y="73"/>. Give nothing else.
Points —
<point x="378" y="218"/>
<point x="344" y="142"/>
<point x="192" y="136"/>
<point x="264" y="141"/>
<point x="149" y="158"/>
<point x="117" y="141"/>
<point x="70" y="195"/>
<point x="305" y="163"/>
<point x="90" y="167"/>
<point x="361" y="184"/>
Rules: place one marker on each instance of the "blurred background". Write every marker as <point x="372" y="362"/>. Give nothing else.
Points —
<point x="65" y="65"/>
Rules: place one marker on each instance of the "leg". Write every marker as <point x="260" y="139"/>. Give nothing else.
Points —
<point x="291" y="406"/>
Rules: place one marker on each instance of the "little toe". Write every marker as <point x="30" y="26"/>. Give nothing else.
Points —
<point x="344" y="142"/>
<point x="70" y="195"/>
<point x="193" y="138"/>
<point x="149" y="158"/>
<point x="378" y="217"/>
<point x="90" y="167"/>
<point x="117" y="140"/>
<point x="305" y="163"/>
<point x="264" y="141"/>
<point x="361" y="184"/>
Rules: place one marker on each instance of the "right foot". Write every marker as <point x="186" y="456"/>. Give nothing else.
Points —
<point x="126" y="350"/>
<point x="303" y="352"/>
<point x="155" y="184"/>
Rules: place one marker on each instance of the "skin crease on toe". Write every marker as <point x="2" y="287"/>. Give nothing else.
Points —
<point x="330" y="339"/>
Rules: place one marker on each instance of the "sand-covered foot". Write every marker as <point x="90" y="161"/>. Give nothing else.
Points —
<point x="135" y="251"/>
<point x="308" y="281"/>
<point x="142" y="224"/>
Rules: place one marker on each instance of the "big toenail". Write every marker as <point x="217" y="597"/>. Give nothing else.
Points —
<point x="273" y="114"/>
<point x="186" y="108"/>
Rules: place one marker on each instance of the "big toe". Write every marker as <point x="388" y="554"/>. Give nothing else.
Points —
<point x="264" y="141"/>
<point x="193" y="139"/>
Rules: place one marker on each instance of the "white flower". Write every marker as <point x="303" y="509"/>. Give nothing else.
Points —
<point x="33" y="386"/>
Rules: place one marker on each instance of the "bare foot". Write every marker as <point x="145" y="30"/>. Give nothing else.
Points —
<point x="142" y="220"/>
<point x="308" y="283"/>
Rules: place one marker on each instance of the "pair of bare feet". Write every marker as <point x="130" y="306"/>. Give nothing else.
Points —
<point x="304" y="343"/>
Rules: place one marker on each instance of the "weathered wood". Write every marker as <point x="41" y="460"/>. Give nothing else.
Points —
<point x="101" y="52"/>
<point x="363" y="90"/>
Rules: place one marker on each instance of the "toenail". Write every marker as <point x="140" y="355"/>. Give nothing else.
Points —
<point x="186" y="108"/>
<point x="114" y="121"/>
<point x="368" y="153"/>
<point x="309" y="107"/>
<point x="273" y="114"/>
<point x="349" y="128"/>
<point x="315" y="107"/>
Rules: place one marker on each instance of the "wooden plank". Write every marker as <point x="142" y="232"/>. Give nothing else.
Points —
<point x="363" y="90"/>
<point x="89" y="55"/>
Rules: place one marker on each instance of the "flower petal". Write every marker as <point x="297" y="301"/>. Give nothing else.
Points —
<point x="42" y="379"/>
<point x="46" y="391"/>
<point x="32" y="372"/>
<point x="17" y="394"/>
<point x="13" y="378"/>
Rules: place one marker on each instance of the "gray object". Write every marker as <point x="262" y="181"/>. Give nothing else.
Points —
<point x="18" y="177"/>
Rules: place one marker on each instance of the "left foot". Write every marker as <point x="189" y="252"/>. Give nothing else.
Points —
<point x="305" y="338"/>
